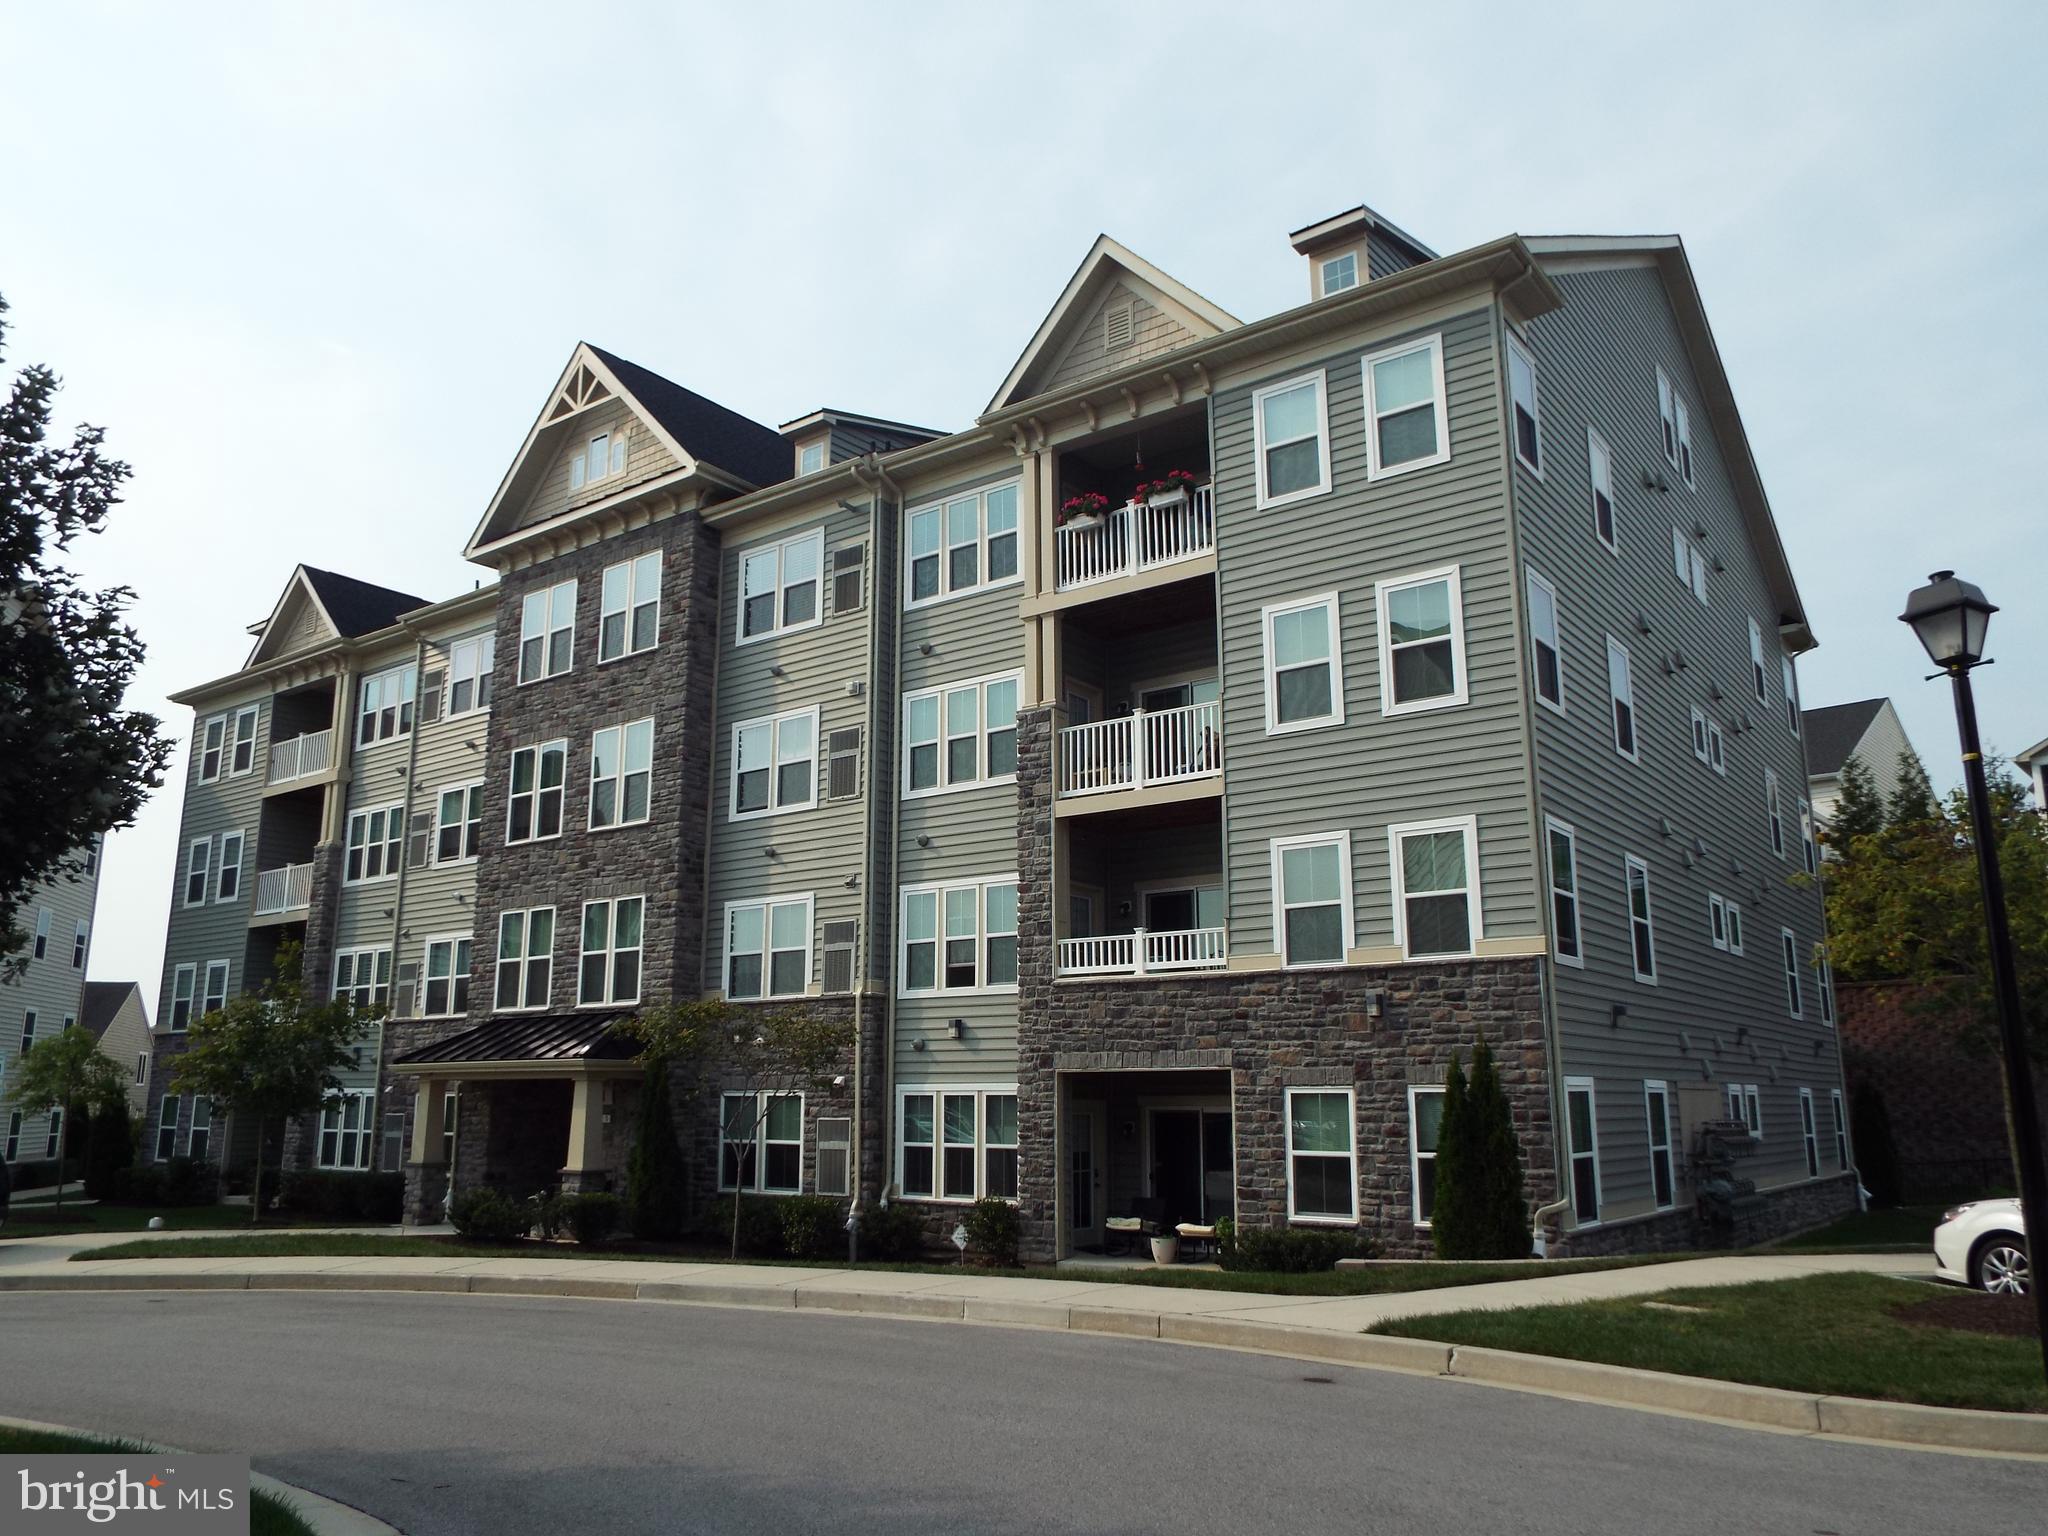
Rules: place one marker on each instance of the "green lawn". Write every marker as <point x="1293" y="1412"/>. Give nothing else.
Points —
<point x="40" y="1219"/>
<point x="268" y="1514"/>
<point x="1372" y="1280"/>
<point x="1823" y="1333"/>
<point x="1901" y="1229"/>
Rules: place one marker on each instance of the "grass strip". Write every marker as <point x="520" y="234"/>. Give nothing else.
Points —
<point x="269" y="1515"/>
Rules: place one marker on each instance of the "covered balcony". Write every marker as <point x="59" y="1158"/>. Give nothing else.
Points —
<point x="1144" y="894"/>
<point x="301" y="737"/>
<point x="286" y="891"/>
<point x="1135" y="503"/>
<point x="301" y="757"/>
<point x="1165" y="528"/>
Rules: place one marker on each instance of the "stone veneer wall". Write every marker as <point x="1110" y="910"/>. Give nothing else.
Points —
<point x="1786" y="1211"/>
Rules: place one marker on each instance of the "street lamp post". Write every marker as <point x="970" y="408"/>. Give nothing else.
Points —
<point x="1951" y="618"/>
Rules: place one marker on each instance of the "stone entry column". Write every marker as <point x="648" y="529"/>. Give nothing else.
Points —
<point x="426" y="1171"/>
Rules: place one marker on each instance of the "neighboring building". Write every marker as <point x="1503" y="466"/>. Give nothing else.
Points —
<point x="1427" y="672"/>
<point x="1869" y="731"/>
<point x="114" y="1014"/>
<point x="48" y="997"/>
<point x="2034" y="764"/>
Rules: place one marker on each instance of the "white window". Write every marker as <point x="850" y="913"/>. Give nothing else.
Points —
<point x="1657" y="1110"/>
<point x="28" y="1031"/>
<point x="1304" y="664"/>
<point x="1775" y="810"/>
<point x="1600" y="471"/>
<point x="1641" y="926"/>
<point x="761" y="1142"/>
<point x="1841" y="1128"/>
<point x="1791" y="681"/>
<point x="55" y="1136"/>
<point x="1700" y="748"/>
<point x="1667" y="416"/>
<point x="768" y="948"/>
<point x="526" y="958"/>
<point x="1436" y="886"/>
<point x="459" y="825"/>
<point x="957" y="1144"/>
<point x="213" y="749"/>
<point x="243" y="755"/>
<point x="629" y="607"/>
<point x="215" y="994"/>
<point x="533" y="809"/>
<point x="1339" y="273"/>
<point x="960" y="937"/>
<point x="774" y="764"/>
<point x="1753" y="1110"/>
<point x="1717" y="749"/>
<point x="13" y="1146"/>
<point x="610" y="969"/>
<point x="961" y="545"/>
<point x="1564" y="892"/>
<point x="166" y="1128"/>
<point x="345" y="1134"/>
<point x="1422" y="642"/>
<point x="1808" y="1134"/>
<point x="621" y="774"/>
<point x="1824" y="985"/>
<point x="779" y="587"/>
<point x="1790" y="944"/>
<point x="198" y="868"/>
<point x="447" y="978"/>
<point x="141" y="1068"/>
<point x="1684" y="439"/>
<point x="469" y="674"/>
<point x="363" y="976"/>
<point x="834" y="1175"/>
<point x="1622" y="693"/>
<point x="1406" y="423"/>
<point x="1717" y="921"/>
<point x="1585" y="1150"/>
<point x="227" y="884"/>
<point x="1689" y="562"/>
<point x="1810" y="851"/>
<point x="183" y="981"/>
<point x="547" y="631"/>
<point x="1545" y="641"/>
<point x="42" y="944"/>
<point x="603" y="457"/>
<point x="1756" y="659"/>
<point x="200" y="1138"/>
<point x="1312" y="898"/>
<point x="1291" y="428"/>
<point x="1734" y="928"/>
<point x="917" y="1145"/>
<point x="385" y="710"/>
<point x="374" y="841"/>
<point x="1322" y="1156"/>
<point x="1425" y="1121"/>
<point x="960" y="735"/>
<point x="1528" y="416"/>
<point x="810" y="458"/>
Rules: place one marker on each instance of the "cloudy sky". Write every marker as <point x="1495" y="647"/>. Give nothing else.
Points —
<point x="314" y="270"/>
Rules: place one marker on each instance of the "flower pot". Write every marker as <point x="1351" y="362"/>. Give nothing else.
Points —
<point x="1166" y="498"/>
<point x="1084" y="521"/>
<point x="1166" y="1250"/>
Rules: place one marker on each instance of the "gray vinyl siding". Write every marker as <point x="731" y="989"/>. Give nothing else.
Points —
<point x="1124" y="665"/>
<point x="1596" y="361"/>
<point x="51" y="988"/>
<point x="1383" y="258"/>
<point x="850" y="440"/>
<point x="647" y="457"/>
<point x="1374" y="771"/>
<point x="799" y="851"/>
<point x="1153" y="331"/>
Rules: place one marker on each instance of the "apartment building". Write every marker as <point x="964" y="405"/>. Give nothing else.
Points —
<point x="1165" y="775"/>
<point x="47" y="996"/>
<point x="1868" y="730"/>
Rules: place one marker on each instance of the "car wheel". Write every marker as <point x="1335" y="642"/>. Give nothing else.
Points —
<point x="2000" y="1266"/>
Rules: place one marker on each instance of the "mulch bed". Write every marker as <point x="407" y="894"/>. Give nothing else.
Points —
<point x="1974" y="1312"/>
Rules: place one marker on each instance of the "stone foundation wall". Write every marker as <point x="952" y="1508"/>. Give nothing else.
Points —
<point x="1787" y="1211"/>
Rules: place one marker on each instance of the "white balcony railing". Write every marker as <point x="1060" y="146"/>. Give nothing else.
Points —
<point x="1136" y="537"/>
<point x="1145" y="747"/>
<point x="1144" y="954"/>
<point x="287" y="889"/>
<point x="301" y="757"/>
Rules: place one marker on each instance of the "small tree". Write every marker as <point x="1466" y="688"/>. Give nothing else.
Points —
<point x="271" y="1055"/>
<point x="66" y="1072"/>
<point x="1487" y="1216"/>
<point x="1912" y="804"/>
<point x="769" y="1055"/>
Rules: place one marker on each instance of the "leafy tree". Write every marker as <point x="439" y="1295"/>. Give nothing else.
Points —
<point x="271" y="1055"/>
<point x="1860" y="810"/>
<point x="66" y="658"/>
<point x="66" y="1071"/>
<point x="1487" y="1217"/>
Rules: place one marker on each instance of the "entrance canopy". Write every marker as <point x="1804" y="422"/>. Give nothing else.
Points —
<point x="523" y="1045"/>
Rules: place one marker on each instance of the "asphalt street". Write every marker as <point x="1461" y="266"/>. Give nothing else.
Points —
<point x="464" y="1415"/>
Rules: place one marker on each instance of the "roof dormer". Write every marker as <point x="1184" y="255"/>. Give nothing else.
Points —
<point x="1354" y="247"/>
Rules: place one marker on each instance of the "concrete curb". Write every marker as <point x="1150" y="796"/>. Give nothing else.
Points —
<point x="1905" y="1424"/>
<point x="324" y="1515"/>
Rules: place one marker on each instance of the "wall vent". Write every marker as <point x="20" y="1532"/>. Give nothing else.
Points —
<point x="1119" y="327"/>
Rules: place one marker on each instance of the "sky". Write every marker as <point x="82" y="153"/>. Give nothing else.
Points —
<point x="315" y="270"/>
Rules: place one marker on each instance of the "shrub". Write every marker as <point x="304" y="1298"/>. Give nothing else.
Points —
<point x="590" y="1217"/>
<point x="489" y="1216"/>
<point x="177" y="1182"/>
<point x="112" y="1148"/>
<point x="655" y="1173"/>
<point x="372" y="1198"/>
<point x="37" y="1175"/>
<point x="992" y="1232"/>
<point x="546" y="1211"/>
<point x="1285" y="1250"/>
<point x="813" y="1226"/>
<point x="1480" y="1212"/>
<point x="760" y="1226"/>
<point x="891" y="1232"/>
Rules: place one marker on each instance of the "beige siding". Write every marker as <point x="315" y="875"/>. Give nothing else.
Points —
<point x="1153" y="330"/>
<point x="647" y="458"/>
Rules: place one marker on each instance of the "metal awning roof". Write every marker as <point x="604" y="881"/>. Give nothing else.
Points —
<point x="567" y="1039"/>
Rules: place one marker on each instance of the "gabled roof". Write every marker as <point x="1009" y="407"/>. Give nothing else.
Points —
<point x="712" y="433"/>
<point x="1833" y="731"/>
<point x="1353" y="222"/>
<point x="328" y="606"/>
<point x="1105" y="262"/>
<point x="2032" y="755"/>
<point x="103" y="1003"/>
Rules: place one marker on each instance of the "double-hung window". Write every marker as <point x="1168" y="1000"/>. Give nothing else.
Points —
<point x="459" y="830"/>
<point x="1657" y="1109"/>
<point x="547" y="631"/>
<point x="1322" y="1155"/>
<point x="385" y="709"/>
<point x="621" y="774"/>
<point x="183" y="980"/>
<point x="960" y="735"/>
<point x="1809" y="851"/>
<point x="774" y="764"/>
<point x="762" y="1142"/>
<point x="534" y="807"/>
<point x="1841" y="1128"/>
<point x="375" y="839"/>
<point x="960" y="937"/>
<point x="1667" y="417"/>
<point x="1684" y="438"/>
<point x="1407" y="426"/>
<point x="1546" y="644"/>
<point x="1584" y="1134"/>
<point x="198" y="869"/>
<point x="629" y="607"/>
<point x="1425" y="1122"/>
<point x="12" y="1149"/>
<point x="610" y="968"/>
<point x="1756" y="659"/>
<point x="526" y="958"/>
<point x="1699" y="735"/>
<point x="1789" y="943"/>
<point x="1304" y="665"/>
<point x="42" y="944"/>
<point x="1717" y="920"/>
<point x="447" y="978"/>
<point x="200" y="1138"/>
<point x="1422" y="642"/>
<point x="213" y="749"/>
<point x="962" y="544"/>
<point x="54" y="1134"/>
<point x="1312" y="898"/>
<point x="1436" y="886"/>
<point x="1791" y="680"/>
<point x="957" y="1144"/>
<point x="1717" y="748"/>
<point x="1621" y="692"/>
<point x="227" y="883"/>
<point x="214" y="994"/>
<point x="1689" y="562"/>
<point x="768" y="948"/>
<point x="242" y="756"/>
<point x="363" y="976"/>
<point x="28" y="1031"/>
<point x="779" y="586"/>
<point x="1641" y="925"/>
<point x="1291" y="428"/>
<point x="810" y="458"/>
<point x="1808" y="1134"/>
<point x="469" y="674"/>
<point x="1528" y="415"/>
<point x="1774" y="809"/>
<point x="1600" y="471"/>
<point x="1734" y="927"/>
<point x="167" y="1128"/>
<point x="1824" y="987"/>
<point x="345" y="1131"/>
<point x="1564" y="892"/>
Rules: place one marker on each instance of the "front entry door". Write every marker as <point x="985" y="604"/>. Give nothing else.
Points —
<point x="1085" y="1146"/>
<point x="1177" y="1164"/>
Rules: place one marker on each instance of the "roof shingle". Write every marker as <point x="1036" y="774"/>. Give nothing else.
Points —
<point x="359" y="607"/>
<point x="737" y="444"/>
<point x="1832" y="732"/>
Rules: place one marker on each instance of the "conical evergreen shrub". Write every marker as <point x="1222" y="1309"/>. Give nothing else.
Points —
<point x="1480" y="1212"/>
<point x="656" y="1177"/>
<point x="1448" y="1221"/>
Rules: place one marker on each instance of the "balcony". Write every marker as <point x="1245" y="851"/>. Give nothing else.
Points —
<point x="1145" y="954"/>
<point x="284" y="891"/>
<point x="301" y="757"/>
<point x="1135" y="537"/>
<point x="1141" y="750"/>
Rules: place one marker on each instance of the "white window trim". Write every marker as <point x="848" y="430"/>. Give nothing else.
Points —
<point x="403" y="724"/>
<point x="1634" y="751"/>
<point x="199" y="755"/>
<point x="938" y="889"/>
<point x="757" y="1164"/>
<point x="394" y="815"/>
<point x="1374" y="470"/>
<point x="187" y="977"/>
<point x="1734" y="926"/>
<point x="1686" y="464"/>
<point x="1535" y="579"/>
<point x="611" y="951"/>
<point x="947" y="591"/>
<point x="1717" y="748"/>
<point x="1267" y="615"/>
<point x="1599" y="450"/>
<point x="485" y="646"/>
<point x="1275" y="849"/>
<point x="434" y="852"/>
<point x="1572" y="1155"/>
<point x="1788" y="675"/>
<point x="1463" y="692"/>
<point x="1657" y="1088"/>
<point x="1795" y="991"/>
<point x="1552" y="824"/>
<point x="1753" y="1106"/>
<point x="1629" y="864"/>
<point x="539" y="749"/>
<point x="204" y="1004"/>
<point x="619" y="779"/>
<point x="767" y="904"/>
<point x="1809" y="1133"/>
<point x="1321" y="1219"/>
<point x="526" y="957"/>
<point x="986" y="781"/>
<point x="633" y="601"/>
<point x="1824" y="987"/>
<point x="240" y="837"/>
<point x="780" y="547"/>
<point x="1839" y="1131"/>
<point x="205" y="875"/>
<point x="548" y="630"/>
<point x="1774" y="814"/>
<point x="1416" y="1091"/>
<point x="251" y="713"/>
<point x="1468" y="826"/>
<point x="1700" y="741"/>
<point x="775" y="807"/>
<point x="337" y="1105"/>
<point x="1331" y="259"/>
<point x="356" y="955"/>
<point x="1259" y="396"/>
<point x="938" y="1093"/>
<point x="1516" y="347"/>
<point x="1667" y="417"/>
<point x="1717" y="921"/>
<point x="1757" y="682"/>
<point x="453" y="941"/>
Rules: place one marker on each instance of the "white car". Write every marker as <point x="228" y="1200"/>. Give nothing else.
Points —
<point x="1983" y="1243"/>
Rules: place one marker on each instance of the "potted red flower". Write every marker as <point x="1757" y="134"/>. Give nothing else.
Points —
<point x="1083" y="511"/>
<point x="1174" y="486"/>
